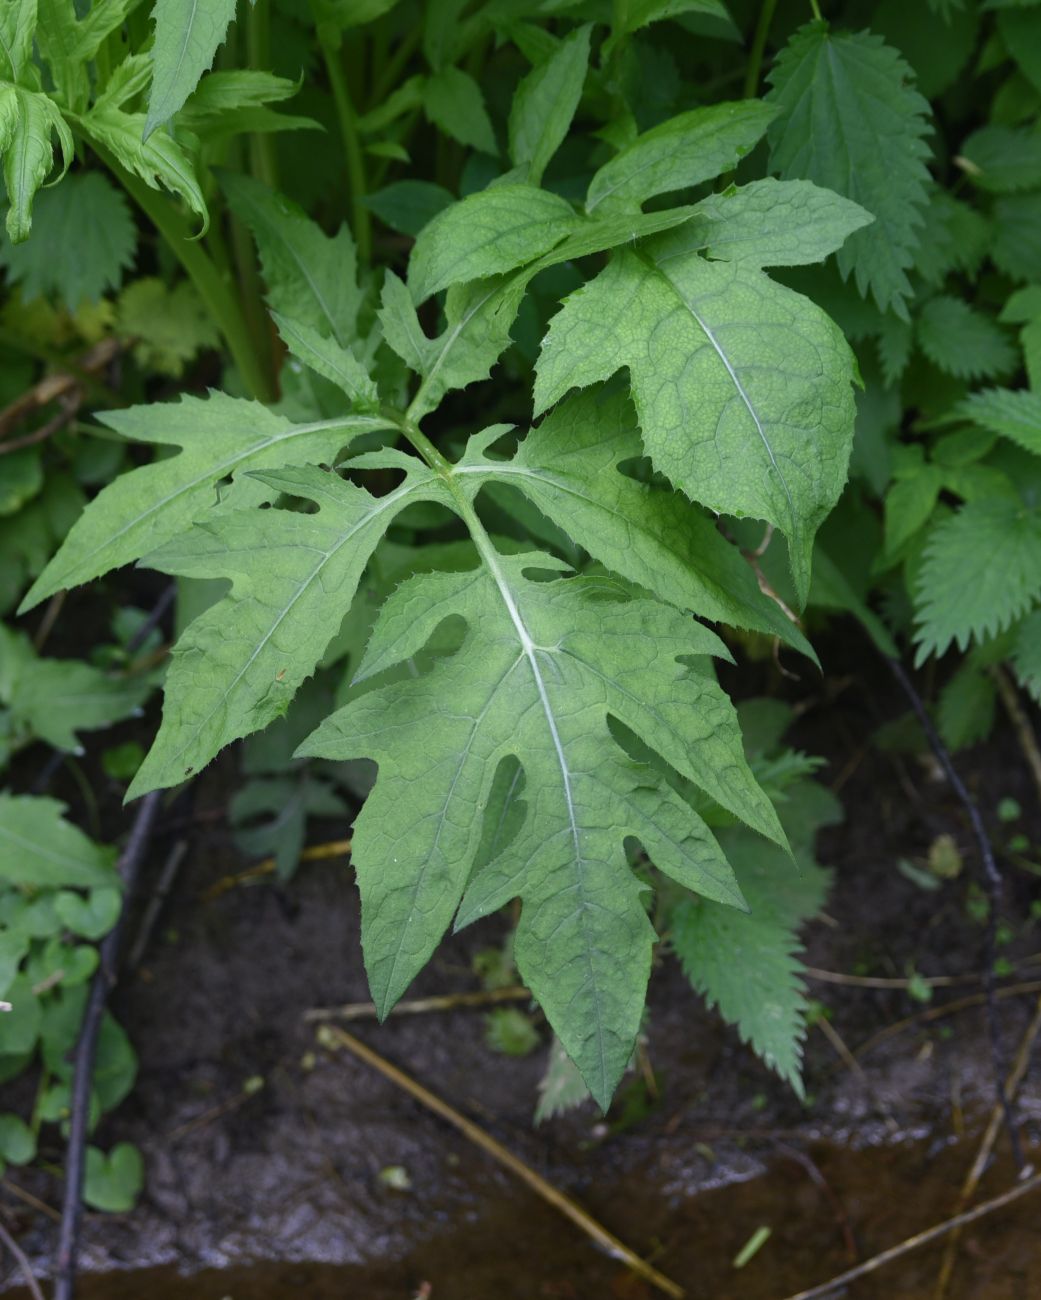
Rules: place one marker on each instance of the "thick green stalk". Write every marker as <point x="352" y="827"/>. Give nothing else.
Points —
<point x="816" y="10"/>
<point x="755" y="57"/>
<point x="212" y="289"/>
<point x="263" y="162"/>
<point x="361" y="220"/>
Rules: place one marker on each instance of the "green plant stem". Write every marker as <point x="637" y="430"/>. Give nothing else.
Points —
<point x="420" y="442"/>
<point x="391" y="74"/>
<point x="361" y="220"/>
<point x="212" y="289"/>
<point x="262" y="158"/>
<point x="816" y="10"/>
<point x="755" y="57"/>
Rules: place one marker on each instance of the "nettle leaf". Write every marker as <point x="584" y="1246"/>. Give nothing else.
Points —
<point x="981" y="571"/>
<point x="239" y="664"/>
<point x="570" y="467"/>
<point x="220" y="438"/>
<point x="312" y="277"/>
<point x="1016" y="248"/>
<point x="1013" y="414"/>
<point x="742" y="387"/>
<point x="1002" y="158"/>
<point x="851" y="120"/>
<point x="83" y="240"/>
<point x="1026" y="654"/>
<point x="962" y="341"/>
<point x="187" y="36"/>
<point x="454" y="103"/>
<point x="545" y="103"/>
<point x="681" y="152"/>
<point x="541" y="667"/>
<point x="166" y="327"/>
<point x="746" y="963"/>
<point x="39" y="849"/>
<point x="28" y="121"/>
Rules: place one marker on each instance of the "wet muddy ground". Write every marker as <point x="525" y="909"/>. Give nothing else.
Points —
<point x="264" y="1153"/>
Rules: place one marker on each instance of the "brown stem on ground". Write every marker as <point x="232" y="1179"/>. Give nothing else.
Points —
<point x="420" y="1006"/>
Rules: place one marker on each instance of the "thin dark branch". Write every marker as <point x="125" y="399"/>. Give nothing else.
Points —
<point x="153" y="620"/>
<point x="993" y="883"/>
<point x="22" y="1262"/>
<point x="86" y="1050"/>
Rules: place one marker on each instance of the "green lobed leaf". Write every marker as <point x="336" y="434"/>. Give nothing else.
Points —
<point x="981" y="570"/>
<point x="39" y="849"/>
<point x="293" y="579"/>
<point x="69" y="36"/>
<point x="326" y="357"/>
<point x="851" y="120"/>
<point x="311" y="277"/>
<point x="220" y="438"/>
<point x="775" y="223"/>
<point x="570" y="467"/>
<point x="545" y="103"/>
<point x="487" y="234"/>
<point x="742" y="387"/>
<point x="113" y="1182"/>
<point x="541" y="667"/>
<point x="18" y="20"/>
<point x="187" y="36"/>
<point x="682" y="151"/>
<point x="166" y="327"/>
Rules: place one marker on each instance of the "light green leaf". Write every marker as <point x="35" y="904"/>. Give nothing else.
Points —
<point x="93" y="916"/>
<point x="220" y="438"/>
<point x="1011" y="414"/>
<point x="326" y="357"/>
<point x="641" y="13"/>
<point x="541" y="667"/>
<point x="113" y="1182"/>
<point x="453" y="101"/>
<point x="166" y="327"/>
<point x="775" y="223"/>
<point x="262" y="640"/>
<point x="562" y="1087"/>
<point x="742" y="387"/>
<point x="963" y="342"/>
<point x="17" y="28"/>
<point x="39" y="849"/>
<point x="682" y="151"/>
<point x="407" y="206"/>
<point x="909" y="502"/>
<point x="83" y="239"/>
<point x="69" y="40"/>
<point x="312" y="278"/>
<point x="966" y="706"/>
<point x="745" y="963"/>
<point x="486" y="234"/>
<point x="187" y="35"/>
<point x="981" y="571"/>
<point x="545" y="103"/>
<point x="851" y="121"/>
<point x="569" y="466"/>
<point x="27" y="122"/>
<point x="17" y="1140"/>
<point x="161" y="162"/>
<point x="1002" y="158"/>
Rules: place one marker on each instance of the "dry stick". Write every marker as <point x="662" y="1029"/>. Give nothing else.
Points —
<point x="22" y="1262"/>
<point x="972" y="1178"/>
<point x="1018" y="716"/>
<point x="331" y="1036"/>
<point x="992" y="880"/>
<point x="418" y="1006"/>
<point x="947" y="1009"/>
<point x="316" y="852"/>
<point x="86" y="1050"/>
<point x="920" y="1239"/>
<point x="850" y="1061"/>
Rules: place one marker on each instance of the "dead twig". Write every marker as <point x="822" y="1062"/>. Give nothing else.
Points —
<point x="266" y="867"/>
<point x="332" y="1037"/>
<point x="22" y="1195"/>
<point x="65" y="385"/>
<point x="819" y="1181"/>
<point x="850" y="1061"/>
<point x="22" y="1262"/>
<point x="887" y="982"/>
<point x="916" y="1242"/>
<point x="992" y="883"/>
<point x="947" y="1009"/>
<point x="986" y="1147"/>
<point x="86" y="1050"/>
<point x="1020" y="722"/>
<point x="420" y="1006"/>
